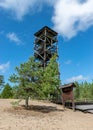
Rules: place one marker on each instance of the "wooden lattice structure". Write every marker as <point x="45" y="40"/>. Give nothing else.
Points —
<point x="45" y="45"/>
<point x="68" y="94"/>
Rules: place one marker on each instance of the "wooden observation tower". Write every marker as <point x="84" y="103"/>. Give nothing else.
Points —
<point x="45" y="45"/>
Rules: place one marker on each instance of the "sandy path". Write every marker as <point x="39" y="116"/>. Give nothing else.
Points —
<point x="42" y="116"/>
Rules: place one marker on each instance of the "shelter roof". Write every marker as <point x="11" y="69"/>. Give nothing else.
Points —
<point x="68" y="85"/>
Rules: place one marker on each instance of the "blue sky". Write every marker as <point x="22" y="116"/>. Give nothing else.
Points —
<point x="72" y="19"/>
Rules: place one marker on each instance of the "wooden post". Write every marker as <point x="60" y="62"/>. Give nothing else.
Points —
<point x="73" y="105"/>
<point x="63" y="102"/>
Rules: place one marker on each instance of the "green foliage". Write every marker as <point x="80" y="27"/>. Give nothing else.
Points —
<point x="84" y="90"/>
<point x="77" y="90"/>
<point x="7" y="92"/>
<point x="15" y="104"/>
<point x="27" y="78"/>
<point x="35" y="81"/>
<point x="1" y="81"/>
<point x="51" y="81"/>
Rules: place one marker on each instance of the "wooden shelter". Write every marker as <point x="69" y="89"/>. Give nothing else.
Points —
<point x="67" y="94"/>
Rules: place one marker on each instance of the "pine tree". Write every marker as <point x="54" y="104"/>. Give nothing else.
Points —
<point x="27" y="78"/>
<point x="7" y="92"/>
<point x="51" y="80"/>
<point x="1" y="82"/>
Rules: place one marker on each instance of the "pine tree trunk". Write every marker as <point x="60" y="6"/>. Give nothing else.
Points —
<point x="26" y="102"/>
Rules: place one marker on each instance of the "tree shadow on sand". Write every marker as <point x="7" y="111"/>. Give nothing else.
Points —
<point x="34" y="110"/>
<point x="42" y="109"/>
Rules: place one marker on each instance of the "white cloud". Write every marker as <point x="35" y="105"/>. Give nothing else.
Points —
<point x="68" y="62"/>
<point x="69" y="17"/>
<point x="13" y="37"/>
<point x="76" y="78"/>
<point x="20" y="8"/>
<point x="72" y="16"/>
<point x="4" y="67"/>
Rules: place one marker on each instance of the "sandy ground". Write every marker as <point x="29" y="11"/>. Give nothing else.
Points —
<point x="42" y="116"/>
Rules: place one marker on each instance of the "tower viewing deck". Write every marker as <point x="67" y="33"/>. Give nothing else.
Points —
<point x="45" y="45"/>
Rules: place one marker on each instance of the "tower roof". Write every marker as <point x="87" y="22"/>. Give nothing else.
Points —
<point x="49" y="30"/>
